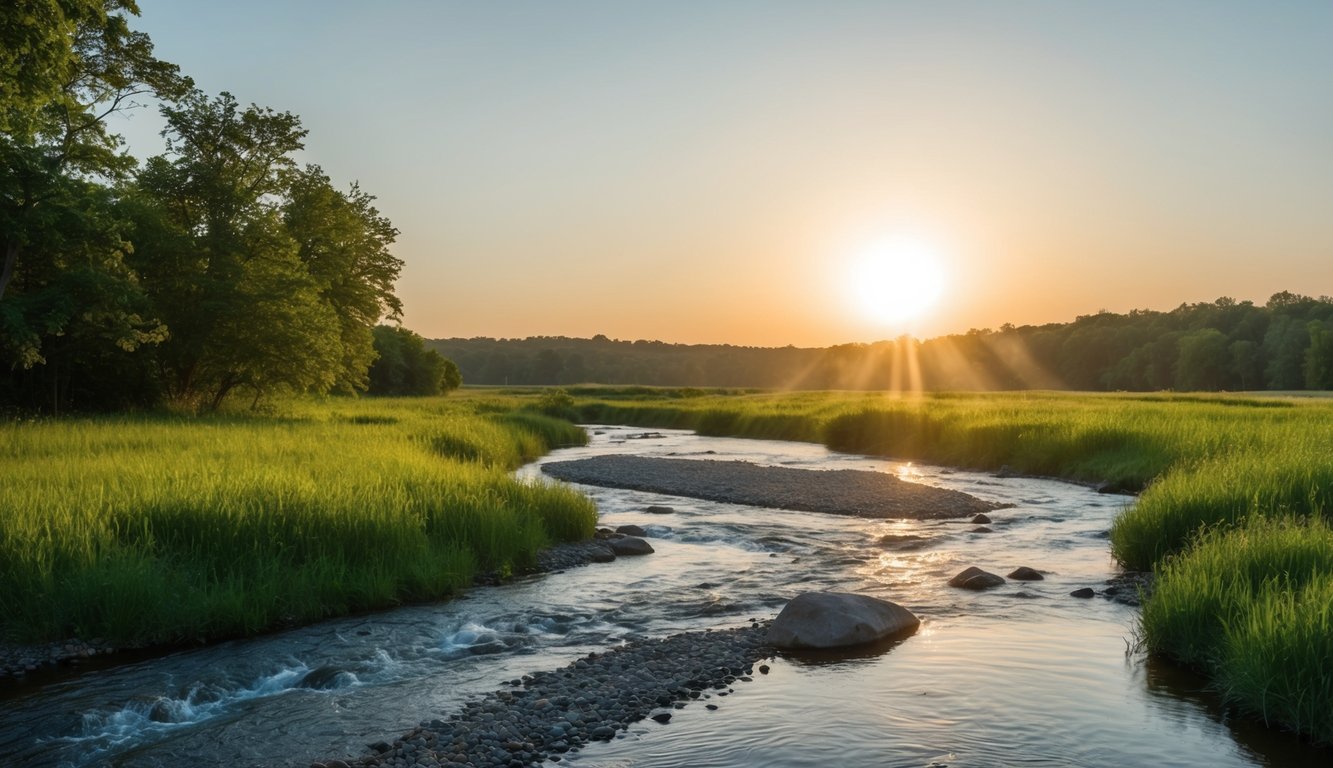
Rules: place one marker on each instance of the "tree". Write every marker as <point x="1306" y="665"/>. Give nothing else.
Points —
<point x="547" y="366"/>
<point x="71" y="311"/>
<point x="404" y="366"/>
<point x="219" y="263"/>
<point x="1284" y="348"/>
<point x="1204" y="360"/>
<point x="344" y="244"/>
<point x="1247" y="362"/>
<point x="68" y="66"/>
<point x="1319" y="356"/>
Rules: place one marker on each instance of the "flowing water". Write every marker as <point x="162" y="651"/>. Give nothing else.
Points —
<point x="1020" y="675"/>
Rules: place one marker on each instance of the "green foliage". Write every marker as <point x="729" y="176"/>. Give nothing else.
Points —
<point x="1319" y="356"/>
<point x="403" y="366"/>
<point x="69" y="308"/>
<point x="1222" y="345"/>
<point x="156" y="529"/>
<point x="221" y="268"/>
<point x="558" y="403"/>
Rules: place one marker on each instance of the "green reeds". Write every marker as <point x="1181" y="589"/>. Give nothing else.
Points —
<point x="149" y="530"/>
<point x="1252" y="606"/>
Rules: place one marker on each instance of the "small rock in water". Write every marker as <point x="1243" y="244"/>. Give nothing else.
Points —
<point x="631" y="530"/>
<point x="659" y="509"/>
<point x="1084" y="593"/>
<point x="975" y="578"/>
<point x="981" y="519"/>
<point x="1024" y="573"/>
<point x="710" y="706"/>
<point x="981" y="529"/>
<point x="630" y="545"/>
<point x="662" y="717"/>
<point x="763" y="669"/>
<point x="602" y="555"/>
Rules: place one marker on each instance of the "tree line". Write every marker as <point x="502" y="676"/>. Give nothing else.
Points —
<point x="1285" y="344"/>
<point x="219" y="268"/>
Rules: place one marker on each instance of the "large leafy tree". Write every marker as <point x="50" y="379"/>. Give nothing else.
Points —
<point x="217" y="261"/>
<point x="66" y="296"/>
<point x="267" y="276"/>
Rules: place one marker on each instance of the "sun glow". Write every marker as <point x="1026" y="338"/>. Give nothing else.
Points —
<point x="896" y="281"/>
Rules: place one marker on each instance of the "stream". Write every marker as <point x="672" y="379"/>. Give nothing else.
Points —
<point x="1023" y="674"/>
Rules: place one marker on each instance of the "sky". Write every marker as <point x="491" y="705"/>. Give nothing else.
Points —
<point x="713" y="172"/>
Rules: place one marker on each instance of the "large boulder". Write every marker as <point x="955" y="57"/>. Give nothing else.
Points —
<point x="837" y="619"/>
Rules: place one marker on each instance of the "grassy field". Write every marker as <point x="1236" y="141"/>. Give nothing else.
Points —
<point x="1236" y="495"/>
<point x="151" y="529"/>
<point x="156" y="529"/>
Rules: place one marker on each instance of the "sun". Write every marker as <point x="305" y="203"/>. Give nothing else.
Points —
<point x="896" y="281"/>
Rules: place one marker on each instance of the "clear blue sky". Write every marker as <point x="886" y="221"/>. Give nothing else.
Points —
<point x="705" y="172"/>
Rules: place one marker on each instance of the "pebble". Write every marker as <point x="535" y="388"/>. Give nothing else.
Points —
<point x="20" y="660"/>
<point x="592" y="699"/>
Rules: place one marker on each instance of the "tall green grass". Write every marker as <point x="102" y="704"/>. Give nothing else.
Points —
<point x="1253" y="606"/>
<point x="155" y="529"/>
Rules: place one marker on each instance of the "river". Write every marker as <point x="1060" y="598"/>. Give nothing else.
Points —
<point x="1023" y="674"/>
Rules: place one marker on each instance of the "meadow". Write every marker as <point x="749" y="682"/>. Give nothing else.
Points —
<point x="149" y="529"/>
<point x="153" y="529"/>
<point x="1233" y="514"/>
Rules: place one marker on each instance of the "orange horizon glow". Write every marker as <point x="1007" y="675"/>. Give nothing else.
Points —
<point x="701" y="175"/>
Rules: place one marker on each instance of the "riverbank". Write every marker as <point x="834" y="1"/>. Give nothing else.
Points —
<point x="154" y="529"/>
<point x="547" y="714"/>
<point x="19" y="661"/>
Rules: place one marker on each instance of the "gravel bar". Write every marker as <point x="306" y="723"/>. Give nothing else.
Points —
<point x="853" y="492"/>
<point x="547" y="714"/>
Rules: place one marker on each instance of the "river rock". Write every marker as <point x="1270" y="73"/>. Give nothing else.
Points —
<point x="975" y="578"/>
<point x="1024" y="573"/>
<point x="981" y="519"/>
<point x="630" y="545"/>
<point x="321" y="678"/>
<point x="602" y="554"/>
<point x="1085" y="593"/>
<point x="631" y="530"/>
<point x="982" y="529"/>
<point x="837" y="619"/>
<point x="659" y="509"/>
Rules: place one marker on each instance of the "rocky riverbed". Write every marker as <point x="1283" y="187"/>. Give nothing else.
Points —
<point x="851" y="492"/>
<point x="545" y="715"/>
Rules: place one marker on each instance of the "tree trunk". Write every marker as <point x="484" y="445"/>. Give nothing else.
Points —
<point x="11" y="258"/>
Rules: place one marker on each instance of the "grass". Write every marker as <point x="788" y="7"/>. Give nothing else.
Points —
<point x="1253" y="606"/>
<point x="153" y="529"/>
<point x="1234" y="513"/>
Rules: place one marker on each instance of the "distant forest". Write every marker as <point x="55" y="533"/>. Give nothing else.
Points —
<point x="1286" y="344"/>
